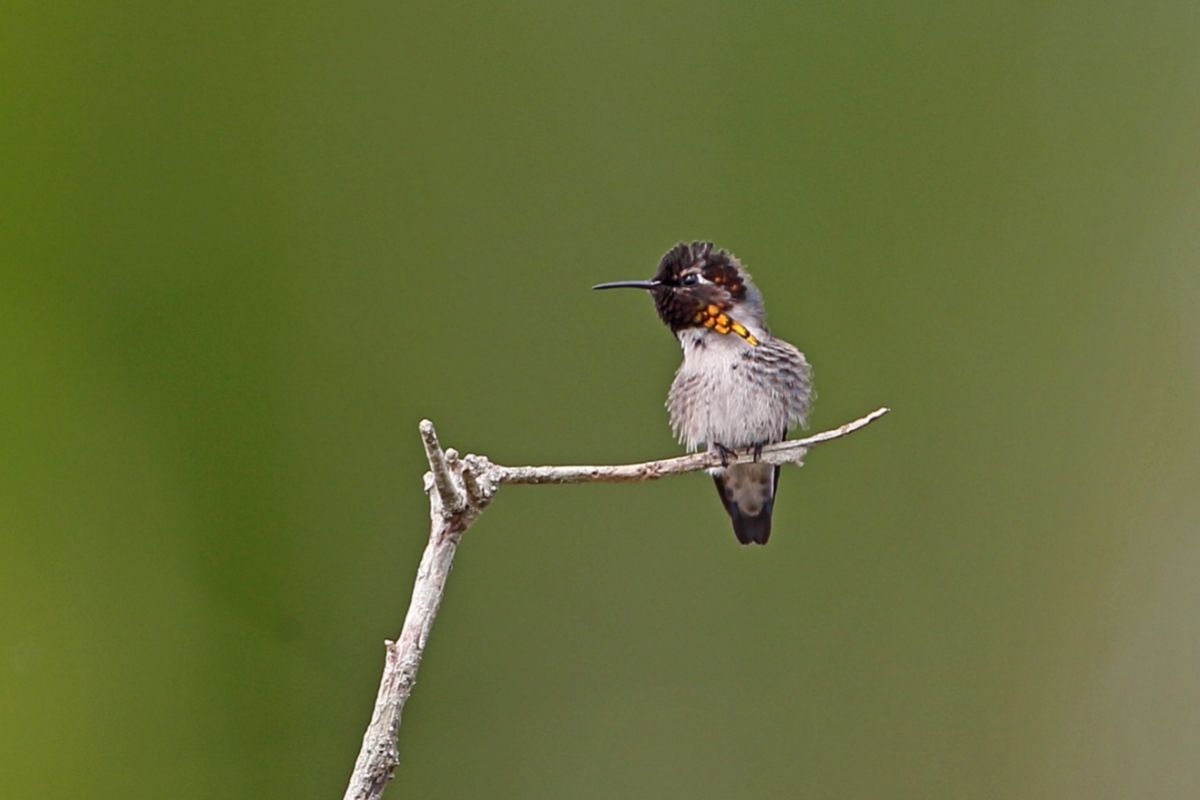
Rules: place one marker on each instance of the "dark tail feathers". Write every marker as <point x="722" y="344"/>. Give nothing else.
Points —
<point x="752" y="530"/>
<point x="748" y="529"/>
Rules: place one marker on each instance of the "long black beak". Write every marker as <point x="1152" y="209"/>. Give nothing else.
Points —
<point x="627" y="285"/>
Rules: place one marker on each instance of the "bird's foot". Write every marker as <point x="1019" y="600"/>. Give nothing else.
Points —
<point x="726" y="454"/>
<point x="756" y="451"/>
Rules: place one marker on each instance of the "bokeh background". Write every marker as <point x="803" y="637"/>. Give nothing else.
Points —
<point x="247" y="247"/>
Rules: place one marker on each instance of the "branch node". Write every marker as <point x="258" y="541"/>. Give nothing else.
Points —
<point x="479" y="480"/>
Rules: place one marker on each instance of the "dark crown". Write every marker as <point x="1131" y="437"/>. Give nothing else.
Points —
<point x="721" y="267"/>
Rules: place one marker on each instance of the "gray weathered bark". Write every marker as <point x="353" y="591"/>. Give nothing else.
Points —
<point x="459" y="490"/>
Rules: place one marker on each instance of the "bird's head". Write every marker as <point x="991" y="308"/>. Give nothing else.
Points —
<point x="697" y="288"/>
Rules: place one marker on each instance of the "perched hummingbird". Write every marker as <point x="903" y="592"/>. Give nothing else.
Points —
<point x="738" y="386"/>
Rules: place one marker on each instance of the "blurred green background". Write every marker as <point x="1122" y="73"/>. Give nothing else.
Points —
<point x="248" y="247"/>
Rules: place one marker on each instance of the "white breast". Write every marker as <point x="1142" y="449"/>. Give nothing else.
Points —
<point x="718" y="395"/>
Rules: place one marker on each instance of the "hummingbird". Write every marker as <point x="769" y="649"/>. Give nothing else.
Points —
<point x="739" y="387"/>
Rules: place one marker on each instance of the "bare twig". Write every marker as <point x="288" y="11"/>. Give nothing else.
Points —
<point x="789" y="452"/>
<point x="458" y="490"/>
<point x="443" y="481"/>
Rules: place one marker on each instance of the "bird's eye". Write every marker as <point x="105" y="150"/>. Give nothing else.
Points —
<point x="690" y="280"/>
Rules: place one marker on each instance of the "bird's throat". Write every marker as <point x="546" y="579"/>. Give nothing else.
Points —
<point x="715" y="319"/>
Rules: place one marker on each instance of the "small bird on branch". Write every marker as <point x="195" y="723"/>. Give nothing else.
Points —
<point x="739" y="387"/>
